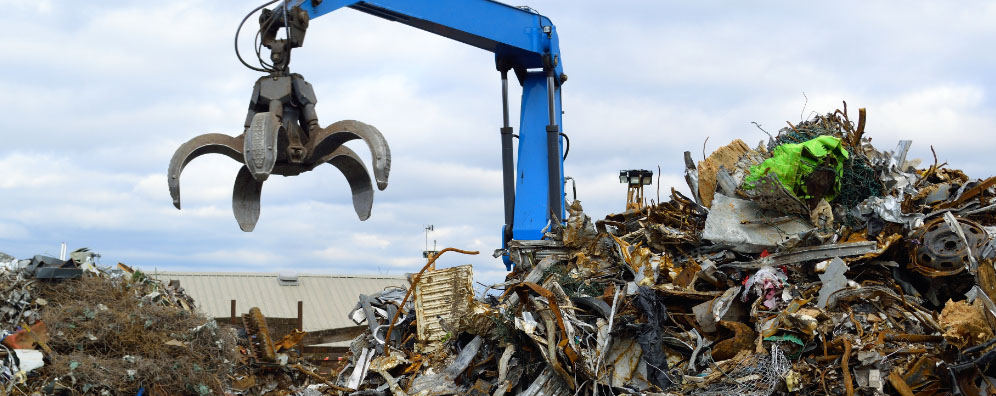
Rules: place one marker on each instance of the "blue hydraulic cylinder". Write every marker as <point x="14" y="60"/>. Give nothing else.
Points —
<point x="532" y="188"/>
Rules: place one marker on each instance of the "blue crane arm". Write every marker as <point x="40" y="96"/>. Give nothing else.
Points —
<point x="523" y="41"/>
<point x="521" y="36"/>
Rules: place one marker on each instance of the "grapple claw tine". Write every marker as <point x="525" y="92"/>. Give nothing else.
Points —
<point x="211" y="143"/>
<point x="261" y="144"/>
<point x="245" y="199"/>
<point x="330" y="138"/>
<point x="358" y="177"/>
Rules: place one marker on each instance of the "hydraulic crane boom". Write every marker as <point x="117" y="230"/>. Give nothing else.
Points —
<point x="282" y="135"/>
<point x="526" y="43"/>
<point x="519" y="34"/>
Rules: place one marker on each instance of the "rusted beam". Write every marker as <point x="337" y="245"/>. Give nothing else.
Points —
<point x="332" y="335"/>
<point x="848" y="383"/>
<point x="972" y="193"/>
<point x="300" y="316"/>
<point x="856" y="137"/>
<point x="899" y="384"/>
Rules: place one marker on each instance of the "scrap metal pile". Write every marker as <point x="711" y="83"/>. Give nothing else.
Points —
<point x="812" y="264"/>
<point x="72" y="327"/>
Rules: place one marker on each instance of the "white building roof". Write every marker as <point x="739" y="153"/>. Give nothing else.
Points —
<point x="327" y="299"/>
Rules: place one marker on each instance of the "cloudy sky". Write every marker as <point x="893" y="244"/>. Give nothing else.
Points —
<point x="98" y="95"/>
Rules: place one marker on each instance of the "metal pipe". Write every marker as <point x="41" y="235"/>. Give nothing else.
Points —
<point x="507" y="164"/>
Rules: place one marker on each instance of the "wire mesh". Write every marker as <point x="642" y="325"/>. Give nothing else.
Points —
<point x="756" y="375"/>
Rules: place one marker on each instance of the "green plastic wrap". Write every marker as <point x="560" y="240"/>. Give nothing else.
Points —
<point x="792" y="162"/>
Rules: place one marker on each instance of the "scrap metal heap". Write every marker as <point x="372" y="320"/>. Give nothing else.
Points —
<point x="72" y="327"/>
<point x="812" y="264"/>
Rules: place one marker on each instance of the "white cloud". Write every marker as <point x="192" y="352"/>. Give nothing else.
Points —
<point x="13" y="231"/>
<point x="364" y="240"/>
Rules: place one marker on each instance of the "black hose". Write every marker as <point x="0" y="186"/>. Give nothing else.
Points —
<point x="239" y="29"/>
<point x="568" y="146"/>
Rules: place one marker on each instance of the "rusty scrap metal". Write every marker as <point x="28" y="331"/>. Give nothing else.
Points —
<point x="969" y="194"/>
<point x="442" y="296"/>
<point x="521" y="288"/>
<point x="259" y="335"/>
<point x="416" y="279"/>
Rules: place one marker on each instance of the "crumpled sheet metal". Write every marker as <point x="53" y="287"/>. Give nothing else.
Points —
<point x="989" y="250"/>
<point x="710" y="313"/>
<point x="889" y="209"/>
<point x="739" y="224"/>
<point x="629" y="370"/>
<point x="771" y="194"/>
<point x="389" y="296"/>
<point x="833" y="280"/>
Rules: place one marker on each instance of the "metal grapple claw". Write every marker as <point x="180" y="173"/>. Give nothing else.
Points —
<point x="212" y="143"/>
<point x="245" y="199"/>
<point x="358" y="178"/>
<point x="281" y="134"/>
<point x="261" y="145"/>
<point x="324" y="148"/>
<point x="333" y="136"/>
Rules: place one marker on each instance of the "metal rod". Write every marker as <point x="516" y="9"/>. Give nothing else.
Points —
<point x="504" y="98"/>
<point x="233" y="312"/>
<point x="550" y="87"/>
<point x="507" y="164"/>
<point x="555" y="185"/>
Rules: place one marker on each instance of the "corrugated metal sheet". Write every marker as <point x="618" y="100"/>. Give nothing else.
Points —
<point x="442" y="295"/>
<point x="327" y="298"/>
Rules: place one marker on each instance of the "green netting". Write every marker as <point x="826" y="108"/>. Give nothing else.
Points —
<point x="858" y="183"/>
<point x="858" y="180"/>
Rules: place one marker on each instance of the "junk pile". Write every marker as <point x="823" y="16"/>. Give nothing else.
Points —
<point x="811" y="264"/>
<point x="74" y="327"/>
